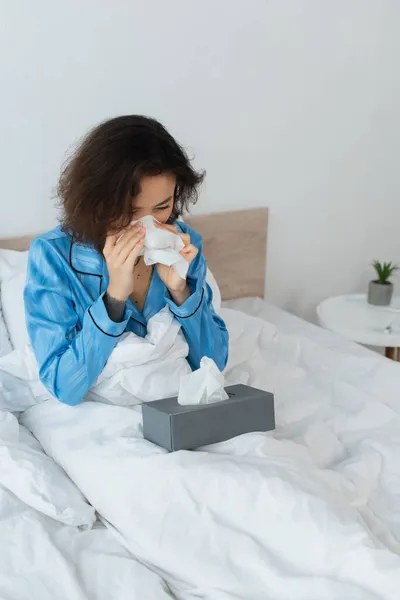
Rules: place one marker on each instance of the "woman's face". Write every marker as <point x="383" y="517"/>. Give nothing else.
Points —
<point x="156" y="197"/>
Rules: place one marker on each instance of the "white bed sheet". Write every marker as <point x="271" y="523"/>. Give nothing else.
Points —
<point x="291" y="324"/>
<point x="42" y="559"/>
<point x="49" y="548"/>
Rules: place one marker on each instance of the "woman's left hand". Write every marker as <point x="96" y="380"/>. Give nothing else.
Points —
<point x="175" y="284"/>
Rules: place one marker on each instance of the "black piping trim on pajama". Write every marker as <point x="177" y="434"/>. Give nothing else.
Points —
<point x="102" y="330"/>
<point x="84" y="272"/>
<point x="194" y="312"/>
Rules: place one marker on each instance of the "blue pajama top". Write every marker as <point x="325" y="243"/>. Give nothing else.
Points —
<point x="71" y="333"/>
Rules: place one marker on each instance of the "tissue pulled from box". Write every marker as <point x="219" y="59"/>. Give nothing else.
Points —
<point x="204" y="386"/>
<point x="162" y="246"/>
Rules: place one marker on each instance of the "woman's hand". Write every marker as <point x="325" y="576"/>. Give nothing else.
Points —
<point x="177" y="286"/>
<point x="121" y="253"/>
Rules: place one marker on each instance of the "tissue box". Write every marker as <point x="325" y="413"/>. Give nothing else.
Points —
<point x="177" y="427"/>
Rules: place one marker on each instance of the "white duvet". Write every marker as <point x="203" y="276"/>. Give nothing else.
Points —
<point x="310" y="511"/>
<point x="51" y="548"/>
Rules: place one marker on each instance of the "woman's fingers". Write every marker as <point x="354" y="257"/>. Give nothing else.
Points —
<point x="109" y="245"/>
<point x="189" y="252"/>
<point x="121" y="251"/>
<point x="185" y="237"/>
<point x="134" y="255"/>
<point x="126" y="239"/>
<point x="126" y="247"/>
<point x="130" y="244"/>
<point x="125" y="236"/>
<point x="189" y="249"/>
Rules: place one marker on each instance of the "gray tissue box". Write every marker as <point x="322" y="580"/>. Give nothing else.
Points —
<point x="177" y="427"/>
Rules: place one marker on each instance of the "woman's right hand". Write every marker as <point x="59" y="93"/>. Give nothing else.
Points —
<point x="121" y="252"/>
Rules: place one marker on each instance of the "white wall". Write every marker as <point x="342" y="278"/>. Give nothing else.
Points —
<point x="290" y="104"/>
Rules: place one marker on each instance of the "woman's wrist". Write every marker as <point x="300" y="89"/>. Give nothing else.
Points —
<point x="117" y="294"/>
<point x="115" y="307"/>
<point x="181" y="295"/>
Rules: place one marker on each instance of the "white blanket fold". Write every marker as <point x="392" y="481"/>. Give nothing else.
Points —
<point x="49" y="549"/>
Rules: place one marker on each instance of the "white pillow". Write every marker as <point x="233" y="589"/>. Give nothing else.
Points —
<point x="5" y="344"/>
<point x="36" y="479"/>
<point x="12" y="280"/>
<point x="11" y="262"/>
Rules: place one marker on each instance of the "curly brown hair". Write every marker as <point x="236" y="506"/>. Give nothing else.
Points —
<point x="103" y="176"/>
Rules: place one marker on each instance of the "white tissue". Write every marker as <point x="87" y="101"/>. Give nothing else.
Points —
<point x="204" y="386"/>
<point x="162" y="246"/>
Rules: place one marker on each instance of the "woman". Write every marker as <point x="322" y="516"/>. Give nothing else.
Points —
<point x="86" y="283"/>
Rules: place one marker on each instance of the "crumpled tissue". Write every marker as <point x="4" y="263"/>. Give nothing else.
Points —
<point x="204" y="386"/>
<point x="162" y="246"/>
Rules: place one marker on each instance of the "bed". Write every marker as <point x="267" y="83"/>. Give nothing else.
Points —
<point x="308" y="512"/>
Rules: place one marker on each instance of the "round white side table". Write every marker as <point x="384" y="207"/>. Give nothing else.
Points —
<point x="355" y="319"/>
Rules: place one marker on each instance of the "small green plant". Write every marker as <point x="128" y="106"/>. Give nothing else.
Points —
<point x="384" y="271"/>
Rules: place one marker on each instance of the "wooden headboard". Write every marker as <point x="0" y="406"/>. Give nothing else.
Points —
<point x="235" y="246"/>
<point x="234" y="243"/>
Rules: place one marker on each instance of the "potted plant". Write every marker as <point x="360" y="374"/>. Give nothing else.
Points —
<point x="380" y="290"/>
